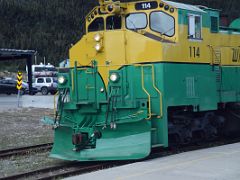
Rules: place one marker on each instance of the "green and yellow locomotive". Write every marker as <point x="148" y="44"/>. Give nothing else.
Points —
<point x="147" y="74"/>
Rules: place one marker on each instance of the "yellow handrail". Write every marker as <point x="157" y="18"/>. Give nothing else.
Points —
<point x="155" y="87"/>
<point x="159" y="92"/>
<point x="149" y="97"/>
<point x="214" y="55"/>
<point x="54" y="103"/>
<point x="72" y="81"/>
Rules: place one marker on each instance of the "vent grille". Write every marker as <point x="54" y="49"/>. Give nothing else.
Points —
<point x="214" y="24"/>
<point x="190" y="87"/>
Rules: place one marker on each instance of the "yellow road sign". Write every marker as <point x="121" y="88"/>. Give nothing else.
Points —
<point x="19" y="76"/>
<point x="19" y="87"/>
<point x="19" y="81"/>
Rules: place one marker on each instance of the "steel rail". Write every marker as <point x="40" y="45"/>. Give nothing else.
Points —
<point x="61" y="171"/>
<point x="25" y="150"/>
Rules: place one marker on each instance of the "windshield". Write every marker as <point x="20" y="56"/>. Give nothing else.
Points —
<point x="96" y="25"/>
<point x="162" y="23"/>
<point x="113" y="22"/>
<point x="136" y="21"/>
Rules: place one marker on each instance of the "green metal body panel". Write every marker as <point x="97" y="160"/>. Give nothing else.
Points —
<point x="235" y="24"/>
<point x="129" y="123"/>
<point x="182" y="13"/>
<point x="201" y="85"/>
<point x="126" y="142"/>
<point x="190" y="84"/>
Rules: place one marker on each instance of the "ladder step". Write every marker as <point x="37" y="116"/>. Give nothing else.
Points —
<point x="157" y="145"/>
<point x="84" y="102"/>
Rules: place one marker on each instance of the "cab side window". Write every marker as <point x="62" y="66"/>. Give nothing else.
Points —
<point x="136" y="21"/>
<point x="162" y="23"/>
<point x="96" y="25"/>
<point x="113" y="22"/>
<point x="194" y="26"/>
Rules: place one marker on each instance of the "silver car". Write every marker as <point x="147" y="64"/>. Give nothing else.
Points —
<point x="45" y="85"/>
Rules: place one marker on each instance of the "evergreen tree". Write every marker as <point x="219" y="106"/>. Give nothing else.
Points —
<point x="50" y="27"/>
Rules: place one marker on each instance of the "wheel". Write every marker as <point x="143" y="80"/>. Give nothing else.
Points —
<point x="44" y="90"/>
<point x="8" y="93"/>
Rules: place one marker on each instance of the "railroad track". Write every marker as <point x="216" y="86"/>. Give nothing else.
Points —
<point x="76" y="168"/>
<point x="25" y="150"/>
<point x="64" y="170"/>
<point x="24" y="116"/>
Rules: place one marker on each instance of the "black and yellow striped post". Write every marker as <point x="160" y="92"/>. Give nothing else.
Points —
<point x="19" y="81"/>
<point x="19" y="85"/>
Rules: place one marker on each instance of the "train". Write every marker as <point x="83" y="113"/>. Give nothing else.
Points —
<point x="147" y="74"/>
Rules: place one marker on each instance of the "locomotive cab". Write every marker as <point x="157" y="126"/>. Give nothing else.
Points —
<point x="129" y="34"/>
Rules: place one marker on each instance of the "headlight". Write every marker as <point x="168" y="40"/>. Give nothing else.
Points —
<point x="98" y="47"/>
<point x="102" y="90"/>
<point x="97" y="37"/>
<point x="61" y="79"/>
<point x="114" y="77"/>
<point x="110" y="8"/>
<point x="89" y="19"/>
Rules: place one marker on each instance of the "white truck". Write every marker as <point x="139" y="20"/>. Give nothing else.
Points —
<point x="42" y="70"/>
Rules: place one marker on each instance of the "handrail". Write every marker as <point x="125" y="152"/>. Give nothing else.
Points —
<point x="54" y="103"/>
<point x="214" y="55"/>
<point x="159" y="92"/>
<point x="72" y="76"/>
<point x="155" y="87"/>
<point x="149" y="97"/>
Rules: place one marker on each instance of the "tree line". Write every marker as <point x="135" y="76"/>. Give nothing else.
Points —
<point x="51" y="26"/>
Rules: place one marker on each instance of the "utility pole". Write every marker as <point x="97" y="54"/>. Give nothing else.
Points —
<point x="35" y="58"/>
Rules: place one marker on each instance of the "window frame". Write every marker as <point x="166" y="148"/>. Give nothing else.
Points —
<point x="137" y="13"/>
<point x="113" y="16"/>
<point x="99" y="17"/>
<point x="201" y="27"/>
<point x="158" y="31"/>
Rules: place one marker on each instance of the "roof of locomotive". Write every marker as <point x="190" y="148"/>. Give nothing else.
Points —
<point x="184" y="6"/>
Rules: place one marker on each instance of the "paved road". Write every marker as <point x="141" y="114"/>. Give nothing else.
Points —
<point x="8" y="102"/>
<point x="39" y="101"/>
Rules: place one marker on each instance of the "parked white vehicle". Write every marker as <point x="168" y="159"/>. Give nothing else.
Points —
<point x="45" y="85"/>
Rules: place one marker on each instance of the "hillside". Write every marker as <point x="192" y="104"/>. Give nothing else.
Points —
<point x="50" y="27"/>
<point x="46" y="26"/>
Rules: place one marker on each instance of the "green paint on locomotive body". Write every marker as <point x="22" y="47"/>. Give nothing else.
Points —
<point x="182" y="14"/>
<point x="209" y="19"/>
<point x="121" y="112"/>
<point x="201" y="85"/>
<point x="235" y="24"/>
